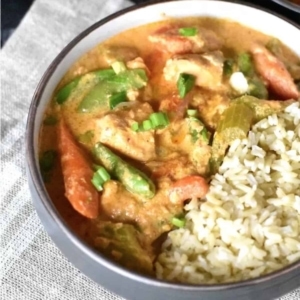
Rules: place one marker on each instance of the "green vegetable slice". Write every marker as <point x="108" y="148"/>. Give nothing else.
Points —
<point x="178" y="222"/>
<point x="245" y="64"/>
<point x="192" y="112"/>
<point x="204" y="135"/>
<point x="235" y="124"/>
<point x="188" y="31"/>
<point x="147" y="125"/>
<point x="133" y="179"/>
<point x="159" y="120"/>
<point x="116" y="99"/>
<point x="100" y="177"/>
<point x="99" y="96"/>
<point x="63" y="94"/>
<point x="185" y="83"/>
<point x="135" y="126"/>
<point x="97" y="182"/>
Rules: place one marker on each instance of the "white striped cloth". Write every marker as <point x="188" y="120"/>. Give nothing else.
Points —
<point x="31" y="266"/>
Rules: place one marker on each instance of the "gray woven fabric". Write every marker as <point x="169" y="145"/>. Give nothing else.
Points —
<point x="31" y="266"/>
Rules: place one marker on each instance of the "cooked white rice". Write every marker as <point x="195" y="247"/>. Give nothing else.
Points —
<point x="250" y="222"/>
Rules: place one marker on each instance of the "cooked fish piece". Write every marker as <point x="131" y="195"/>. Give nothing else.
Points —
<point x="114" y="130"/>
<point x="111" y="54"/>
<point x="207" y="68"/>
<point x="152" y="218"/>
<point x="211" y="106"/>
<point x="186" y="137"/>
<point x="170" y="39"/>
<point x="137" y="63"/>
<point x="176" y="167"/>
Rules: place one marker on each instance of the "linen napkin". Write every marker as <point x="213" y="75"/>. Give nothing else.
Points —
<point x="31" y="266"/>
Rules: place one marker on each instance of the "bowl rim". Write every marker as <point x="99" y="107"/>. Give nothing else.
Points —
<point x="288" y="4"/>
<point x="33" y="170"/>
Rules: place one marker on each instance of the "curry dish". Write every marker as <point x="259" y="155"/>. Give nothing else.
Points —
<point x="140" y="123"/>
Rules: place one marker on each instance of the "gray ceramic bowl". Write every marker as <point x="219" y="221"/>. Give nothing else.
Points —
<point x="93" y="264"/>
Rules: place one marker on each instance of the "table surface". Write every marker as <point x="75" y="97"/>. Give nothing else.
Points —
<point x="32" y="267"/>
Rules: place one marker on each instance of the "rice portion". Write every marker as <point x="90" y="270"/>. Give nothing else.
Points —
<point x="249" y="224"/>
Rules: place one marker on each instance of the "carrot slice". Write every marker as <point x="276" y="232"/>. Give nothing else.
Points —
<point x="274" y="73"/>
<point x="77" y="175"/>
<point x="188" y="187"/>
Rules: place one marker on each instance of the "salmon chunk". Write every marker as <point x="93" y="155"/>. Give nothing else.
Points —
<point x="114" y="130"/>
<point x="113" y="53"/>
<point x="170" y="40"/>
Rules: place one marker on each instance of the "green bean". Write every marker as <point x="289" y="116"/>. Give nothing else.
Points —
<point x="133" y="179"/>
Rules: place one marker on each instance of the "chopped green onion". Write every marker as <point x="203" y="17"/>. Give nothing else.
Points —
<point x="147" y="125"/>
<point x="178" y="222"/>
<point x="116" y="99"/>
<point x="97" y="182"/>
<point x="103" y="174"/>
<point x="156" y="120"/>
<point x="100" y="177"/>
<point x="192" y="112"/>
<point x="118" y="67"/>
<point x="188" y="31"/>
<point x="159" y="120"/>
<point x="185" y="83"/>
<point x="135" y="126"/>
